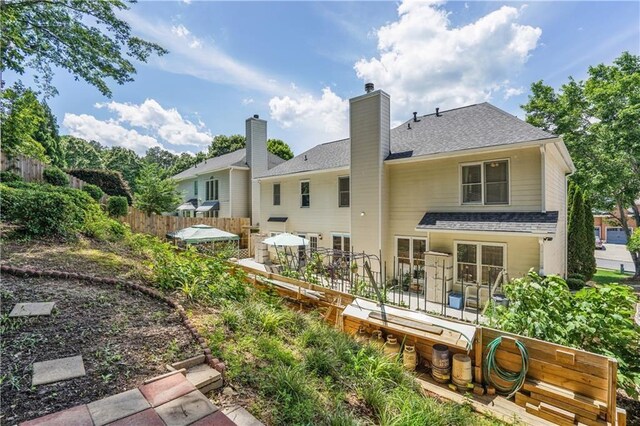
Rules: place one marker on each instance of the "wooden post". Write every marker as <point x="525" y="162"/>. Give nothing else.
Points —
<point x="478" y="355"/>
<point x="613" y="388"/>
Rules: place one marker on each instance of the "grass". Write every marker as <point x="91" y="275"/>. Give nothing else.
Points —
<point x="609" y="276"/>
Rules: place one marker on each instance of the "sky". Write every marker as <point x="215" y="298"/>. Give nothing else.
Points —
<point x="296" y="64"/>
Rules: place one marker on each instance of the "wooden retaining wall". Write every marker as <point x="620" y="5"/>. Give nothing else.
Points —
<point x="581" y="383"/>
<point x="159" y="225"/>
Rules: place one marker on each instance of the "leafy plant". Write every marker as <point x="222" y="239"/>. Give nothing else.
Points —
<point x="154" y="193"/>
<point x="117" y="206"/>
<point x="9" y="176"/>
<point x="55" y="176"/>
<point x="94" y="191"/>
<point x="110" y="181"/>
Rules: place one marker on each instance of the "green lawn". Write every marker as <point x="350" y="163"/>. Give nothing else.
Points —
<point x="608" y="276"/>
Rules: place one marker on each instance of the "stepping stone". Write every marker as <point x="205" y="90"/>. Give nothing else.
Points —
<point x="215" y="419"/>
<point x="164" y="390"/>
<point x="186" y="409"/>
<point x="204" y="377"/>
<point x="32" y="309"/>
<point x="76" y="416"/>
<point x="117" y="407"/>
<point x="241" y="417"/>
<point x="148" y="417"/>
<point x="57" y="370"/>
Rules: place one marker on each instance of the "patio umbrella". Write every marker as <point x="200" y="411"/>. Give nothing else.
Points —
<point x="287" y="240"/>
<point x="203" y="234"/>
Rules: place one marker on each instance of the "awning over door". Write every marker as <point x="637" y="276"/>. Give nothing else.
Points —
<point x="209" y="205"/>
<point x="277" y="219"/>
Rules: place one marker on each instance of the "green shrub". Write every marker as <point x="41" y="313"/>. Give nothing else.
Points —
<point x="598" y="319"/>
<point x="55" y="176"/>
<point x="575" y="283"/>
<point x="111" y="182"/>
<point x="9" y="176"/>
<point x="117" y="206"/>
<point x="101" y="227"/>
<point x="577" y="276"/>
<point x="94" y="191"/>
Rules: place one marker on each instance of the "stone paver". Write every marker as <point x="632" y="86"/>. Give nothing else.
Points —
<point x="32" y="309"/>
<point x="147" y="417"/>
<point x="56" y="370"/>
<point x="76" y="416"/>
<point x="164" y="390"/>
<point x="186" y="409"/>
<point x="202" y="375"/>
<point x="214" y="419"/>
<point x="118" y="406"/>
<point x="241" y="417"/>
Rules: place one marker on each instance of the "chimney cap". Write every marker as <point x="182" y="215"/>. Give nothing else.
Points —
<point x="256" y="116"/>
<point x="368" y="87"/>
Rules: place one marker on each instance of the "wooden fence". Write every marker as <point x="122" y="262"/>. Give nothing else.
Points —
<point x="31" y="169"/>
<point x="159" y="225"/>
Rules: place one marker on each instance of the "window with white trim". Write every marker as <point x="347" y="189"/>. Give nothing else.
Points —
<point x="276" y="194"/>
<point x="195" y="189"/>
<point x="313" y="243"/>
<point x="344" y="196"/>
<point x="305" y="193"/>
<point x="410" y="255"/>
<point x="485" y="183"/>
<point x="341" y="244"/>
<point x="479" y="262"/>
<point x="212" y="190"/>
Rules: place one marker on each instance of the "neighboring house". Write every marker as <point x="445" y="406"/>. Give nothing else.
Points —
<point x="222" y="186"/>
<point x="474" y="182"/>
<point x="607" y="226"/>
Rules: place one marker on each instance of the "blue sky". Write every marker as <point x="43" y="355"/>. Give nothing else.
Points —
<point x="297" y="64"/>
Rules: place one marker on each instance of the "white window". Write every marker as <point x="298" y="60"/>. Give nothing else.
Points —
<point x="276" y="194"/>
<point x="344" y="198"/>
<point x="212" y="190"/>
<point x="479" y="262"/>
<point x="313" y="243"/>
<point x="195" y="189"/>
<point x="305" y="193"/>
<point x="341" y="244"/>
<point x="410" y="255"/>
<point x="485" y="183"/>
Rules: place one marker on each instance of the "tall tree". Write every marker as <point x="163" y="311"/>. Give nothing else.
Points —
<point x="124" y="161"/>
<point x="87" y="38"/>
<point x="222" y="144"/>
<point x="47" y="135"/>
<point x="186" y="161"/>
<point x="576" y="240"/>
<point x="163" y="158"/>
<point x="598" y="120"/>
<point x="80" y="154"/>
<point x="21" y="116"/>
<point x="279" y="148"/>
<point x="588" y="257"/>
<point x="155" y="194"/>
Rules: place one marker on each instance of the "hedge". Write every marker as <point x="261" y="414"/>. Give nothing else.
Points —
<point x="111" y="182"/>
<point x="9" y="176"/>
<point x="94" y="191"/>
<point x="117" y="206"/>
<point x="55" y="176"/>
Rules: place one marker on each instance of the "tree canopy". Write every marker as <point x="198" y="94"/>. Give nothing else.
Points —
<point x="598" y="120"/>
<point x="80" y="154"/>
<point x="42" y="34"/>
<point x="279" y="148"/>
<point x="124" y="161"/>
<point x="223" y="144"/>
<point x="155" y="194"/>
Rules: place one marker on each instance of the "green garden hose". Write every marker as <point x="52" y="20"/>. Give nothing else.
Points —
<point x="490" y="367"/>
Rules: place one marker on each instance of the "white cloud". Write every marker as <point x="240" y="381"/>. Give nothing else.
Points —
<point x="107" y="132"/>
<point x="424" y="62"/>
<point x="247" y="101"/>
<point x="322" y="118"/>
<point x="180" y="31"/>
<point x="513" y="91"/>
<point x="168" y="124"/>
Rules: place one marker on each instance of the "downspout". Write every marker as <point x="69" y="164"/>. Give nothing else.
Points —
<point x="543" y="169"/>
<point x="231" y="192"/>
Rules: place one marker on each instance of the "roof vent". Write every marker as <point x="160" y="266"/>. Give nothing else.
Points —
<point x="408" y="126"/>
<point x="368" y="87"/>
<point x="256" y="116"/>
<point x="415" y="117"/>
<point x="438" y="112"/>
<point x="305" y="157"/>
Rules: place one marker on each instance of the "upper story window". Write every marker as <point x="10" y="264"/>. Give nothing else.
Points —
<point x="344" y="197"/>
<point x="276" y="194"/>
<point x="195" y="189"/>
<point x="305" y="195"/>
<point x="485" y="183"/>
<point x="212" y="189"/>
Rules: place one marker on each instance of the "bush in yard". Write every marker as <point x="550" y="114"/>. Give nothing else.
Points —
<point x="94" y="191"/>
<point x="111" y="182"/>
<point x="55" y="176"/>
<point x="155" y="194"/>
<point x="575" y="283"/>
<point x="596" y="319"/>
<point x="9" y="176"/>
<point x="117" y="206"/>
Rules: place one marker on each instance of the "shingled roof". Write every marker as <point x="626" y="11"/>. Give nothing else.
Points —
<point x="521" y="222"/>
<point x="236" y="158"/>
<point x="470" y="127"/>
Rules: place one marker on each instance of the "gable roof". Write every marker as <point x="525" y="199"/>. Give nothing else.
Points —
<point x="470" y="127"/>
<point x="236" y="158"/>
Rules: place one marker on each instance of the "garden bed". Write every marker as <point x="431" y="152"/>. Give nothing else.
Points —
<point x="124" y="338"/>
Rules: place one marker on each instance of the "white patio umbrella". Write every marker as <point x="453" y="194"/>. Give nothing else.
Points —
<point x="287" y="240"/>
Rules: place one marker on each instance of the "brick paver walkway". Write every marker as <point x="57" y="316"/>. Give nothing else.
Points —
<point x="166" y="400"/>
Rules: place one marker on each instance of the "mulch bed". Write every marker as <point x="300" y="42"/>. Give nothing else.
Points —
<point x="124" y="338"/>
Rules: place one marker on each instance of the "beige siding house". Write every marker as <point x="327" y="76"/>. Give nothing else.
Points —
<point x="474" y="183"/>
<point x="223" y="186"/>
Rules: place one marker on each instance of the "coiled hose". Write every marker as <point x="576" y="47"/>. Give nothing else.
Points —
<point x="490" y="366"/>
